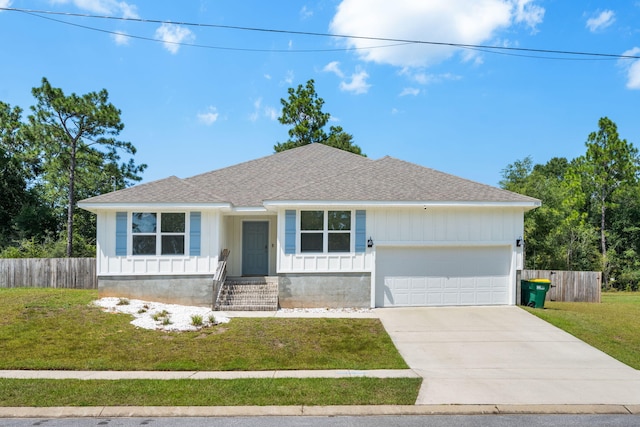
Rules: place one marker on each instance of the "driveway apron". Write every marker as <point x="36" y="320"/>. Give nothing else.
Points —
<point x="504" y="355"/>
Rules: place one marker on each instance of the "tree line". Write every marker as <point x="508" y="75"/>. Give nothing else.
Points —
<point x="590" y="213"/>
<point x="65" y="150"/>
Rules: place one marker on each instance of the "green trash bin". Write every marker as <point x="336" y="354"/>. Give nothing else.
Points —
<point x="534" y="292"/>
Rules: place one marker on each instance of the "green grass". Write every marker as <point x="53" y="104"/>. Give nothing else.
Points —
<point x="60" y="329"/>
<point x="611" y="326"/>
<point x="242" y="392"/>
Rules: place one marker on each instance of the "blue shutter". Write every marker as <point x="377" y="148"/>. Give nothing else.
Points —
<point x="121" y="234"/>
<point x="361" y="231"/>
<point x="290" y="232"/>
<point x="194" y="233"/>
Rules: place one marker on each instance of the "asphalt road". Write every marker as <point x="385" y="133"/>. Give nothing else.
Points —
<point x="367" y="421"/>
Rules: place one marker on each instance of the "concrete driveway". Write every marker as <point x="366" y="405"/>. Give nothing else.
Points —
<point x="504" y="355"/>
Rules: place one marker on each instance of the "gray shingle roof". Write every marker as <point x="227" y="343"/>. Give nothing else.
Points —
<point x="393" y="180"/>
<point x="314" y="172"/>
<point x="167" y="190"/>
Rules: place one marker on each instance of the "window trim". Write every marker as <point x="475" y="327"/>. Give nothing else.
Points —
<point x="158" y="234"/>
<point x="325" y="231"/>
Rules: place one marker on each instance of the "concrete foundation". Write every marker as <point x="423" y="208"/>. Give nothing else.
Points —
<point x="337" y="290"/>
<point x="183" y="290"/>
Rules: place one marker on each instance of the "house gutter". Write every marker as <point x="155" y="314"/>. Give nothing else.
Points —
<point x="528" y="205"/>
<point x="95" y="207"/>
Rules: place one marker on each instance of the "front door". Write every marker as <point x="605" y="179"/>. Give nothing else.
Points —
<point x="255" y="248"/>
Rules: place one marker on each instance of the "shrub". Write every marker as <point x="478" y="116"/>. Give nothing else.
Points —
<point x="196" y="320"/>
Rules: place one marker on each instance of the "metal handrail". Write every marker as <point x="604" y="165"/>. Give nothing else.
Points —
<point x="220" y="277"/>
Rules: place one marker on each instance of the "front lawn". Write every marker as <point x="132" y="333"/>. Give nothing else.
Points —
<point x="241" y="392"/>
<point x="60" y="329"/>
<point x="611" y="326"/>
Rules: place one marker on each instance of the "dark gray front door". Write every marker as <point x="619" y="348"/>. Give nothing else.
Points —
<point x="255" y="248"/>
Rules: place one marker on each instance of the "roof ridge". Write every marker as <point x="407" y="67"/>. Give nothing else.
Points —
<point x="327" y="178"/>
<point x="289" y="152"/>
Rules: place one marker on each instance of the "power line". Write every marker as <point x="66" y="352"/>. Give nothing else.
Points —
<point x="485" y="48"/>
<point x="121" y="34"/>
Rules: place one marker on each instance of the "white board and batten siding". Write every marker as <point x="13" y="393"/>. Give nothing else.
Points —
<point x="445" y="256"/>
<point x="108" y="264"/>
<point x="348" y="262"/>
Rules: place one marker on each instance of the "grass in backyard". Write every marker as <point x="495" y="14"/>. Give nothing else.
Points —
<point x="60" y="329"/>
<point x="242" y="392"/>
<point x="611" y="326"/>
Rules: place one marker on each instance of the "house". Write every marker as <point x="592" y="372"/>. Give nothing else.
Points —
<point x="335" y="228"/>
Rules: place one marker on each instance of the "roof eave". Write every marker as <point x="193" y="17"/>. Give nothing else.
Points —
<point x="527" y="205"/>
<point x="95" y="207"/>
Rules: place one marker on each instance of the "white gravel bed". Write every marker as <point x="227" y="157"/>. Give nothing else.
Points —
<point x="168" y="317"/>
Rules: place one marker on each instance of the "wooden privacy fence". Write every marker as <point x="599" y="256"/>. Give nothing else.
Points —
<point x="75" y="273"/>
<point x="568" y="286"/>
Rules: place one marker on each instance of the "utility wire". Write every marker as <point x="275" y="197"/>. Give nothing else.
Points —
<point x="486" y="48"/>
<point x="121" y="34"/>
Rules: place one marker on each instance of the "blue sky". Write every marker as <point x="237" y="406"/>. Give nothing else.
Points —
<point x="213" y="101"/>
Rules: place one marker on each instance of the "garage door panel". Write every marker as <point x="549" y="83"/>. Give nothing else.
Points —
<point x="442" y="276"/>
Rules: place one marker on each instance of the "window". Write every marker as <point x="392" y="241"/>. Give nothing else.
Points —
<point x="311" y="231"/>
<point x="172" y="234"/>
<point x="149" y="239"/>
<point x="339" y="239"/>
<point x="325" y="231"/>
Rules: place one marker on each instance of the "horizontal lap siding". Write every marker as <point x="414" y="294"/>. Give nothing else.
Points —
<point x="73" y="273"/>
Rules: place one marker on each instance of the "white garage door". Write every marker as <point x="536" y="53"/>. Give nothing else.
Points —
<point x="442" y="276"/>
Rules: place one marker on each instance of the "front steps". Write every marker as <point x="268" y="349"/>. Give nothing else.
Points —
<point x="248" y="294"/>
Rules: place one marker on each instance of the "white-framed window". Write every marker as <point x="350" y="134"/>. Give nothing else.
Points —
<point x="158" y="233"/>
<point x="326" y="231"/>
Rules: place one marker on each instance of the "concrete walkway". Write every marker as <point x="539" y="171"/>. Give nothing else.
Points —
<point x="504" y="355"/>
<point x="206" y="375"/>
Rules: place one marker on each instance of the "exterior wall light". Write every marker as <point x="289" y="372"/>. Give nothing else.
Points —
<point x="519" y="242"/>
<point x="370" y="242"/>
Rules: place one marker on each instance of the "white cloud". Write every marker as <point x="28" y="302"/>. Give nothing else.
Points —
<point x="529" y="13"/>
<point x="269" y="112"/>
<point x="333" y="67"/>
<point x="121" y="38"/>
<point x="288" y="78"/>
<point x="426" y="79"/>
<point x="105" y="7"/>
<point x="358" y="84"/>
<point x="209" y="117"/>
<point x="601" y="21"/>
<point x="5" y="3"/>
<point x="305" y="12"/>
<point x="448" y="21"/>
<point x="410" y="91"/>
<point x="172" y="35"/>
<point x="632" y="68"/>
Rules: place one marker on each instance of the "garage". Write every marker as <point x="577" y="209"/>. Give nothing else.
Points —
<point x="442" y="276"/>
